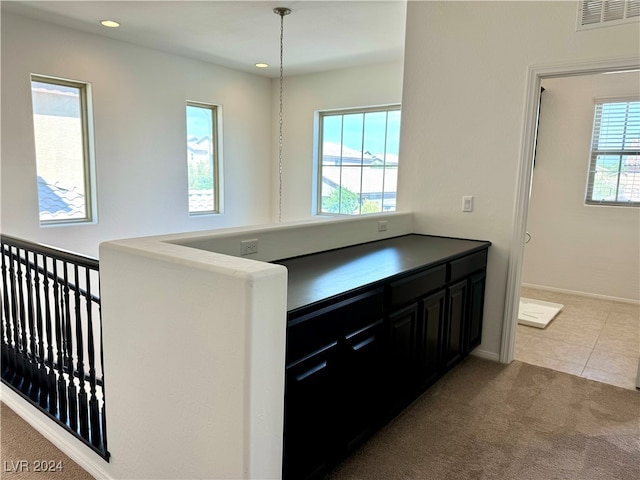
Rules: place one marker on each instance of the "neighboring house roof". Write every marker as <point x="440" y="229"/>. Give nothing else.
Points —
<point x="200" y="200"/>
<point x="632" y="162"/>
<point x="371" y="176"/>
<point x="368" y="181"/>
<point x="199" y="146"/>
<point x="336" y="152"/>
<point x="57" y="202"/>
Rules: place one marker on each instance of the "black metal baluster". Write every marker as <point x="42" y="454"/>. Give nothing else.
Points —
<point x="6" y="319"/>
<point x="94" y="407"/>
<point x="62" y="385"/>
<point x="83" y="409"/>
<point x="51" y="375"/>
<point x="43" y="391"/>
<point x="71" y="387"/>
<point x="103" y="416"/>
<point x="24" y="349"/>
<point x="17" y="365"/>
<point x="32" y="352"/>
<point x="4" y="355"/>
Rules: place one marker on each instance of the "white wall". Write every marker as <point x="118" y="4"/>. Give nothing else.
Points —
<point x="589" y="249"/>
<point x="139" y="97"/>
<point x="464" y="96"/>
<point x="379" y="84"/>
<point x="141" y="176"/>
<point x="194" y="348"/>
<point x="287" y="240"/>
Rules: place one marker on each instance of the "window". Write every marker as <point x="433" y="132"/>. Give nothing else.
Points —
<point x="358" y="161"/>
<point x="614" y="170"/>
<point x="62" y="133"/>
<point x="202" y="158"/>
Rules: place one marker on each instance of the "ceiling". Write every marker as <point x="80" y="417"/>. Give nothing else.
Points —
<point x="318" y="35"/>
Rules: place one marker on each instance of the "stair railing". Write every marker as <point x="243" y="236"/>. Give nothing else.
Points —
<point x="51" y="332"/>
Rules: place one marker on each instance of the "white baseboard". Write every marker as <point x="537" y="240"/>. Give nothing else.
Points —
<point x="64" y="441"/>
<point x="486" y="355"/>
<point x="582" y="294"/>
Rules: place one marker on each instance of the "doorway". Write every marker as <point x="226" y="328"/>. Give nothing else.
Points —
<point x="536" y="78"/>
<point x="581" y="257"/>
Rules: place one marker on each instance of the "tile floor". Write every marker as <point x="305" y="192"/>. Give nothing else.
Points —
<point x="591" y="338"/>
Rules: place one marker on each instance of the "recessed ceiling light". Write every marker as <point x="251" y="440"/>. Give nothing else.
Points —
<point x="262" y="65"/>
<point x="109" y="23"/>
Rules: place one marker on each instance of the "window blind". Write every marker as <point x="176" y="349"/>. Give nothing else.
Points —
<point x="614" y="170"/>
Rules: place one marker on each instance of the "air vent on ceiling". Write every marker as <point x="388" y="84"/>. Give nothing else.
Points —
<point x="602" y="13"/>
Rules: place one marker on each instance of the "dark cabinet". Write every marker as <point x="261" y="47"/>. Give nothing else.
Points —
<point x="362" y="383"/>
<point x="415" y="324"/>
<point x="415" y="336"/>
<point x="430" y="337"/>
<point x="453" y="348"/>
<point x="311" y="386"/>
<point x="354" y="360"/>
<point x="333" y="364"/>
<point x="402" y="355"/>
<point x="476" y="306"/>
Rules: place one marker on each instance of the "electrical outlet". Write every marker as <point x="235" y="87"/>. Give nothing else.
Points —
<point x="247" y="247"/>
<point x="382" y="226"/>
<point x="467" y="204"/>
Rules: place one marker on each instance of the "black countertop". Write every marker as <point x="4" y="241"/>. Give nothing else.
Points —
<point x="320" y="276"/>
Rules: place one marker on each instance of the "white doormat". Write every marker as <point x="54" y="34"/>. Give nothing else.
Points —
<point x="537" y="313"/>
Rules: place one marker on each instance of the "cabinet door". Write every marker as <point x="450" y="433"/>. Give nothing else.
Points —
<point x="402" y="355"/>
<point x="476" y="306"/>
<point x="310" y="412"/>
<point x="363" y="384"/>
<point x="430" y="337"/>
<point x="455" y="324"/>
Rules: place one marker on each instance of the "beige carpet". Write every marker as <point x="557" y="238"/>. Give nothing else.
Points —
<point x="483" y="420"/>
<point x="26" y="455"/>
<point x="486" y="420"/>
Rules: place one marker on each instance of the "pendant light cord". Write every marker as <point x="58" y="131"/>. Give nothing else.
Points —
<point x="280" y="120"/>
<point x="282" y="12"/>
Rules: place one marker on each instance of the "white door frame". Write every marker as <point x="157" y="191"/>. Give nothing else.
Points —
<point x="525" y="174"/>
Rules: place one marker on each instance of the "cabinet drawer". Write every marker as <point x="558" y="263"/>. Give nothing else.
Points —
<point x="467" y="265"/>
<point x="310" y="332"/>
<point x="312" y="366"/>
<point x="411" y="288"/>
<point x="366" y="337"/>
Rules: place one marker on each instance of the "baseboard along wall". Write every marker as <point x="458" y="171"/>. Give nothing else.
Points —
<point x="582" y="294"/>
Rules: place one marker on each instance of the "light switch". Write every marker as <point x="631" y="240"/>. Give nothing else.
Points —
<point x="467" y="203"/>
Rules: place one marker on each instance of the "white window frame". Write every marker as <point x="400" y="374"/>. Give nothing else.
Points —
<point x="214" y="157"/>
<point x="595" y="152"/>
<point x="318" y="159"/>
<point x="88" y="156"/>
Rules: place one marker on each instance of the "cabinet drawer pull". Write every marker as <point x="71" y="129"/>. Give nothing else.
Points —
<point x="362" y="344"/>
<point x="311" y="371"/>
